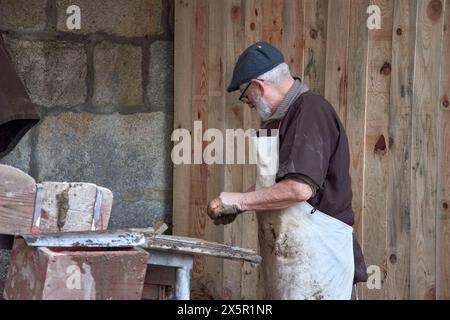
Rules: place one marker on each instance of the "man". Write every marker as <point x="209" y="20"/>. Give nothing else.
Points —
<point x="304" y="214"/>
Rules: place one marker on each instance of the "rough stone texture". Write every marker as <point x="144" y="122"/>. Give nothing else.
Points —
<point x="20" y="156"/>
<point x="135" y="18"/>
<point x="53" y="72"/>
<point x="118" y="75"/>
<point x="4" y="256"/>
<point x="128" y="154"/>
<point x="22" y="15"/>
<point x="160" y="86"/>
<point x="141" y="214"/>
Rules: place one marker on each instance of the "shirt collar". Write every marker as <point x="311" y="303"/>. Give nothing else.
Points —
<point x="297" y="88"/>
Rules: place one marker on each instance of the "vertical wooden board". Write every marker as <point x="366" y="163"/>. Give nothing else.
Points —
<point x="336" y="73"/>
<point x="199" y="113"/>
<point x="253" y="26"/>
<point x="376" y="146"/>
<point x="399" y="143"/>
<point x="398" y="281"/>
<point x="443" y="225"/>
<point x="250" y="284"/>
<point x="424" y="148"/>
<point x="216" y="120"/>
<point x="356" y="105"/>
<point x="272" y="31"/>
<point x="184" y="10"/>
<point x="273" y="22"/>
<point x="292" y="32"/>
<point x="233" y="176"/>
<point x="316" y="14"/>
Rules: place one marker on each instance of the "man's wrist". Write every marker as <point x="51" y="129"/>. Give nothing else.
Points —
<point x="243" y="203"/>
<point x="233" y="202"/>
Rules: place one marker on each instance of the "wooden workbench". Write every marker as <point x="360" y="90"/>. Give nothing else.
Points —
<point x="179" y="252"/>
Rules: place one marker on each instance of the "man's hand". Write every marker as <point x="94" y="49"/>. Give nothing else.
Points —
<point x="229" y="218"/>
<point x="225" y="208"/>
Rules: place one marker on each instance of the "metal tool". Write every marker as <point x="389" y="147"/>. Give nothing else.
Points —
<point x="90" y="239"/>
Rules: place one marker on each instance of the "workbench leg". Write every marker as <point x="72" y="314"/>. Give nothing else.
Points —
<point x="182" y="287"/>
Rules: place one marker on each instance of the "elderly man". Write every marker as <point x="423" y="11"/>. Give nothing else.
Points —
<point x="304" y="211"/>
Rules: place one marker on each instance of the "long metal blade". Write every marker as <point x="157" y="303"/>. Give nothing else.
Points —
<point x="90" y="239"/>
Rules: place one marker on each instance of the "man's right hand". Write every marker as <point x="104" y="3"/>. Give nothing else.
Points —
<point x="224" y="220"/>
<point x="222" y="213"/>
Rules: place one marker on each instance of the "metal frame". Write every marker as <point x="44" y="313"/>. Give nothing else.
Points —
<point x="97" y="207"/>
<point x="37" y="208"/>
<point x="183" y="263"/>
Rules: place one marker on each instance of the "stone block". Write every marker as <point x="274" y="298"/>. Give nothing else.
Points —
<point x="54" y="72"/>
<point x="160" y="88"/>
<point x="117" y="75"/>
<point x="128" y="154"/>
<point x="4" y="258"/>
<point x="125" y="18"/>
<point x="20" y="156"/>
<point x="139" y="214"/>
<point x="23" y="15"/>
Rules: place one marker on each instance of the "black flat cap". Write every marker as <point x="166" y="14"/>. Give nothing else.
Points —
<point x="253" y="62"/>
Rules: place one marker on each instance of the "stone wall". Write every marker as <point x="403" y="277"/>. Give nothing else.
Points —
<point x="105" y="95"/>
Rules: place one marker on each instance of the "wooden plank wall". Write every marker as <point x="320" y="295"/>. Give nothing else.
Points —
<point x="391" y="88"/>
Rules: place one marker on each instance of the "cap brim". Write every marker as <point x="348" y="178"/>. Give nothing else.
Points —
<point x="232" y="87"/>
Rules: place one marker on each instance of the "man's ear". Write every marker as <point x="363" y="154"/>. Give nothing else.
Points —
<point x="258" y="86"/>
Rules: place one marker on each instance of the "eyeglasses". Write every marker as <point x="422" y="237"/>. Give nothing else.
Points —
<point x="243" y="98"/>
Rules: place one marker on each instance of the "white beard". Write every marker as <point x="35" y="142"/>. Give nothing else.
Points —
<point x="264" y="108"/>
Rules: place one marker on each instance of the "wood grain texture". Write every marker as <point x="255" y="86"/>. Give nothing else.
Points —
<point x="424" y="148"/>
<point x="336" y="74"/>
<point x="273" y="21"/>
<point x="196" y="246"/>
<point x="376" y="147"/>
<point x="399" y="142"/>
<point x="356" y="105"/>
<point x="315" y="33"/>
<point x="443" y="225"/>
<point x="184" y="10"/>
<point x="233" y="175"/>
<point x="216" y="116"/>
<point x="251" y="286"/>
<point x="199" y="172"/>
<point x="293" y="35"/>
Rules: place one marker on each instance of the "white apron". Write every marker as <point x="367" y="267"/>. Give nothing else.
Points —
<point x="305" y="256"/>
